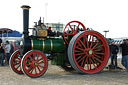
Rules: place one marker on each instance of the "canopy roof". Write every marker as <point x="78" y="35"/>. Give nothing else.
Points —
<point x="5" y="30"/>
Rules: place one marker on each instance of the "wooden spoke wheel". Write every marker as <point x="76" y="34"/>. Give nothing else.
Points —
<point x="15" y="62"/>
<point x="67" y="68"/>
<point x="88" y="52"/>
<point x="71" y="29"/>
<point x="34" y="64"/>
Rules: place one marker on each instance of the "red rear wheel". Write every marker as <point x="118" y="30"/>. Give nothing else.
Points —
<point x="34" y="64"/>
<point x="15" y="62"/>
<point x="88" y="52"/>
<point x="71" y="29"/>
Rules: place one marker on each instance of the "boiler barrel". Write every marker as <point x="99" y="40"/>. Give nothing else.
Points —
<point x="48" y="46"/>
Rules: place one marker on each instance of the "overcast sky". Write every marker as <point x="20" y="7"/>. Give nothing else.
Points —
<point x="100" y="15"/>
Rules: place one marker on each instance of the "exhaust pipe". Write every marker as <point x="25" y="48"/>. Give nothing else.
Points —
<point x="25" y="20"/>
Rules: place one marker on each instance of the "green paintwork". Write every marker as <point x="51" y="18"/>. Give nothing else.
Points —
<point x="58" y="59"/>
<point x="51" y="45"/>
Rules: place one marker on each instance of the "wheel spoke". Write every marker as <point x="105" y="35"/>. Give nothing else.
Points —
<point x="38" y="68"/>
<point x="79" y="54"/>
<point x="40" y="59"/>
<point x="87" y="42"/>
<point x="99" y="46"/>
<point x="78" y="51"/>
<point x="81" y="59"/>
<point x="79" y="48"/>
<point x="29" y="64"/>
<point x="17" y="63"/>
<point x="17" y="66"/>
<point x="41" y="62"/>
<point x="31" y="58"/>
<point x="37" y="57"/>
<point x="35" y="71"/>
<point x="82" y="43"/>
<point x="91" y="42"/>
<point x="85" y="61"/>
<point x="97" y="50"/>
<point x="31" y="70"/>
<point x="71" y="28"/>
<point x="29" y="61"/>
<point x="97" y="59"/>
<point x="92" y="62"/>
<point x="18" y="58"/>
<point x="77" y="27"/>
<point x="99" y="53"/>
<point x="95" y="45"/>
<point x="82" y="62"/>
<point x="97" y="56"/>
<point x="88" y="65"/>
<point x="41" y="66"/>
<point x="78" y="57"/>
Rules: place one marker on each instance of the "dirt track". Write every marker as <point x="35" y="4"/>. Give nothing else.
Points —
<point x="57" y="76"/>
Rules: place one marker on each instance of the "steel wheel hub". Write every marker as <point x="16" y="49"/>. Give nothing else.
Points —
<point x="90" y="52"/>
<point x="35" y="63"/>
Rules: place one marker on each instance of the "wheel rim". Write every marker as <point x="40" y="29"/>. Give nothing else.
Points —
<point x="90" y="57"/>
<point x="70" y="31"/>
<point x="34" y="64"/>
<point x="15" y="62"/>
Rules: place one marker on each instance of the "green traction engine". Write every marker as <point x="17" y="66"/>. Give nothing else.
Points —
<point x="76" y="48"/>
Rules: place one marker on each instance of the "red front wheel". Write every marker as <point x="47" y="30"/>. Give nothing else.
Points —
<point x="34" y="64"/>
<point x="15" y="62"/>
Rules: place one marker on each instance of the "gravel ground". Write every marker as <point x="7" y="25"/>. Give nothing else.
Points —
<point x="57" y="76"/>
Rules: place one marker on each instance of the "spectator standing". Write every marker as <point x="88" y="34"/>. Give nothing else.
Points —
<point x="124" y="61"/>
<point x="8" y="49"/>
<point x="2" y="52"/>
<point x="114" y="51"/>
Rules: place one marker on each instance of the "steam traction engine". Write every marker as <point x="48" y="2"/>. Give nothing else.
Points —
<point x="75" y="49"/>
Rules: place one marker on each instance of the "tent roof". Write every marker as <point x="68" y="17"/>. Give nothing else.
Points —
<point x="5" y="30"/>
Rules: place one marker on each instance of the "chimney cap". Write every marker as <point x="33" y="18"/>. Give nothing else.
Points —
<point x="25" y="7"/>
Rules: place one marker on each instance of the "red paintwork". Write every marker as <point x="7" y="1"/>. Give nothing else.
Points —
<point x="36" y="64"/>
<point x="86" y="53"/>
<point x="15" y="62"/>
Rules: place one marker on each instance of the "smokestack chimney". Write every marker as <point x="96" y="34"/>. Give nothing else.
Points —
<point x="25" y="19"/>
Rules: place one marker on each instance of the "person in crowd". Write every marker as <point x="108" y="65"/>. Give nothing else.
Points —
<point x="12" y="49"/>
<point x="8" y="49"/>
<point x="125" y="54"/>
<point x="124" y="47"/>
<point x="2" y="52"/>
<point x="114" y="51"/>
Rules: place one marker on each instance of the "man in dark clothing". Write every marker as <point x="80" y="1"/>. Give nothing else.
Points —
<point x="2" y="52"/>
<point x="125" y="54"/>
<point x="114" y="51"/>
